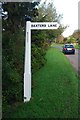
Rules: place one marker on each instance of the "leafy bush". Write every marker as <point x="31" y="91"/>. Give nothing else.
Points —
<point x="38" y="57"/>
<point x="13" y="58"/>
<point x="12" y="84"/>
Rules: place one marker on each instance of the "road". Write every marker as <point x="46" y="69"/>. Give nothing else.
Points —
<point x="74" y="59"/>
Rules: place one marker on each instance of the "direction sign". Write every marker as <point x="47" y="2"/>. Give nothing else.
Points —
<point x="27" y="66"/>
<point x="44" y="25"/>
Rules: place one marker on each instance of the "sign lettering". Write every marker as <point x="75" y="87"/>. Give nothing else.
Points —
<point x="44" y="25"/>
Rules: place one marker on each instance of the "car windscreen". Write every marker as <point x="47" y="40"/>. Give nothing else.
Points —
<point x="69" y="46"/>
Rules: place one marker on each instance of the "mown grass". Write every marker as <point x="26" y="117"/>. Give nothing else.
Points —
<point x="57" y="44"/>
<point x="77" y="47"/>
<point x="55" y="91"/>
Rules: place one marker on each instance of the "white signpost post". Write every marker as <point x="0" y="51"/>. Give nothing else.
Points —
<point x="27" y="65"/>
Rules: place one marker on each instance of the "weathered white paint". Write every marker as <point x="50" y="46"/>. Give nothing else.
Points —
<point x="27" y="65"/>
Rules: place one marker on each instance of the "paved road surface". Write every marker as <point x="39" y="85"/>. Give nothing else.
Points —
<point x="58" y="47"/>
<point x="74" y="59"/>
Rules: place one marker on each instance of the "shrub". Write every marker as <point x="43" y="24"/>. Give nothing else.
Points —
<point x="38" y="57"/>
<point x="11" y="84"/>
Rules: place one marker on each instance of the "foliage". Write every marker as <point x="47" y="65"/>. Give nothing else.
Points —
<point x="17" y="12"/>
<point x="65" y="40"/>
<point x="38" y="59"/>
<point x="79" y="41"/>
<point x="13" y="50"/>
<point x="12" y="84"/>
<point x="77" y="46"/>
<point x="13" y="53"/>
<point x="14" y="44"/>
<point x="47" y="13"/>
<point x="76" y="35"/>
<point x="39" y="46"/>
<point x="71" y="39"/>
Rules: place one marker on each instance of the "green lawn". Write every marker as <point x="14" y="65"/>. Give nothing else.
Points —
<point x="55" y="91"/>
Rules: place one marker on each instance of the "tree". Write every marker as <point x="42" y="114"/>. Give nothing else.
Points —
<point x="48" y="14"/>
<point x="76" y="35"/>
<point x="60" y="39"/>
<point x="71" y="39"/>
<point x="13" y="49"/>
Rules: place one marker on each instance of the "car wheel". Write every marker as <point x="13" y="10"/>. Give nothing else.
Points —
<point x="74" y="53"/>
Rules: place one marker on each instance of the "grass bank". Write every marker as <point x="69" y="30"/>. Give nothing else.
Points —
<point x="55" y="91"/>
<point x="77" y="47"/>
<point x="57" y="44"/>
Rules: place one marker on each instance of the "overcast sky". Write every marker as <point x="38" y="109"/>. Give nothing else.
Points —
<point x="69" y="9"/>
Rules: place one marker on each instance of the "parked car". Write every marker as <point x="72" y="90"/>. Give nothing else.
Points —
<point x="69" y="48"/>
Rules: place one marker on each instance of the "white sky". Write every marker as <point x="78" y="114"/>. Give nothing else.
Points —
<point x="69" y="9"/>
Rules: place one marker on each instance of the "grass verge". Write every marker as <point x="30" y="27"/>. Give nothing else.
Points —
<point x="77" y="47"/>
<point x="57" y="44"/>
<point x="55" y="91"/>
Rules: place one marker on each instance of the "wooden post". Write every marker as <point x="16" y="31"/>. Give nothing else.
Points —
<point x="27" y="66"/>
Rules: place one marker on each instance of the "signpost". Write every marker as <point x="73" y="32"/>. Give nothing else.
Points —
<point x="27" y="66"/>
<point x="44" y="25"/>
